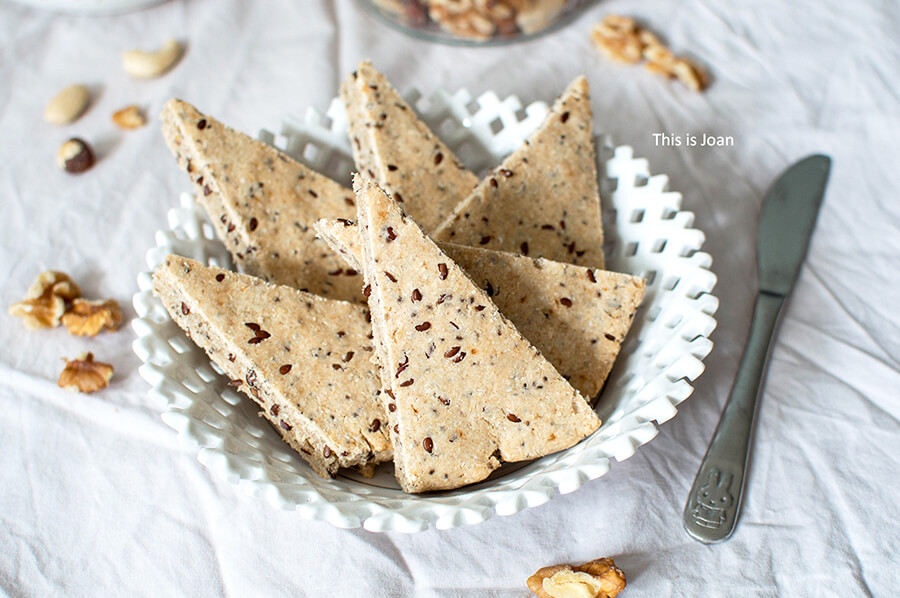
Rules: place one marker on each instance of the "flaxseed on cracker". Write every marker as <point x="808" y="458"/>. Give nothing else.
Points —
<point x="262" y="203"/>
<point x="304" y="359"/>
<point x="543" y="200"/>
<point x="395" y="148"/>
<point x="576" y="316"/>
<point x="467" y="390"/>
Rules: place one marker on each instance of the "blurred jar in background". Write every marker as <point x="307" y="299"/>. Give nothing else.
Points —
<point x="475" y="21"/>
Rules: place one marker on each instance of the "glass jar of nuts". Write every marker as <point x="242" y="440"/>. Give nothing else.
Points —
<point x="475" y="22"/>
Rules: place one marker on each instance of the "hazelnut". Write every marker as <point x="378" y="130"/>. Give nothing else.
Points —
<point x="75" y="156"/>
<point x="83" y="374"/>
<point x="88" y="318"/>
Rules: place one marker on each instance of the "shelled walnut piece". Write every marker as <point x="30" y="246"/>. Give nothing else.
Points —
<point x="83" y="374"/>
<point x="46" y="300"/>
<point x="54" y="299"/>
<point x="620" y="39"/>
<point x="88" y="318"/>
<point x="599" y="578"/>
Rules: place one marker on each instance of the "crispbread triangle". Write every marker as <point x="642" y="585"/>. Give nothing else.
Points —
<point x="467" y="389"/>
<point x="543" y="200"/>
<point x="304" y="359"/>
<point x="576" y="316"/>
<point x="262" y="203"/>
<point x="395" y="148"/>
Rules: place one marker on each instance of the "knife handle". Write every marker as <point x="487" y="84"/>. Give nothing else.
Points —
<point x="715" y="498"/>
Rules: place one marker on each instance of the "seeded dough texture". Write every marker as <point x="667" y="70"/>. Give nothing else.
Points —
<point x="394" y="147"/>
<point x="304" y="359"/>
<point x="262" y="203"/>
<point x="466" y="388"/>
<point x="544" y="199"/>
<point x="576" y="316"/>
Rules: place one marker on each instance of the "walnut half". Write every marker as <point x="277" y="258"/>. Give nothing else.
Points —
<point x="88" y="318"/>
<point x="599" y="578"/>
<point x="45" y="302"/>
<point x="83" y="374"/>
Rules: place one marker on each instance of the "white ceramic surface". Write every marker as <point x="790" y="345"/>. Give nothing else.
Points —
<point x="647" y="235"/>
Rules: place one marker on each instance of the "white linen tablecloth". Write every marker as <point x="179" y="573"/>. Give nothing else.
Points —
<point x="97" y="497"/>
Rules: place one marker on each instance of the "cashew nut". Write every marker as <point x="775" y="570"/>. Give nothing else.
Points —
<point x="147" y="65"/>
<point x="67" y="105"/>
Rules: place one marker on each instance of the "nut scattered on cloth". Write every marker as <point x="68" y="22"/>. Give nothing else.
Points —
<point x="129" y="117"/>
<point x="75" y="156"/>
<point x="141" y="64"/>
<point x="52" y="281"/>
<point x="620" y="39"/>
<point x="67" y="105"/>
<point x="54" y="298"/>
<point x="88" y="318"/>
<point x="46" y="300"/>
<point x="599" y="578"/>
<point x="83" y="374"/>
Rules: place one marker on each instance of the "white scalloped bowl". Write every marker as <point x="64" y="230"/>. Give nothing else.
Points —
<point x="647" y="235"/>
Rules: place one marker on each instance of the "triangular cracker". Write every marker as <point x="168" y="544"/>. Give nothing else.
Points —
<point x="262" y="203"/>
<point x="576" y="316"/>
<point x="543" y="200"/>
<point x="395" y="148"/>
<point x="467" y="389"/>
<point x="304" y="359"/>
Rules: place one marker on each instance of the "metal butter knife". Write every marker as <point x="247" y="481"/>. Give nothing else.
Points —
<point x="786" y="223"/>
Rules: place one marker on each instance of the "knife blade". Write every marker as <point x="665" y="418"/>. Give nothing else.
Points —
<point x="786" y="224"/>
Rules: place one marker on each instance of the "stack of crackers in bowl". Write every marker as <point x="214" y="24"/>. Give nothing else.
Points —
<point x="425" y="317"/>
